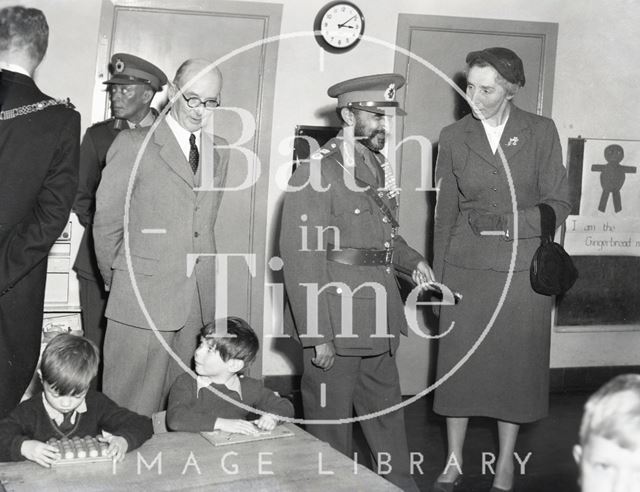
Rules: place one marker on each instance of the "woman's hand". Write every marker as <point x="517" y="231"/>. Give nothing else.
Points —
<point x="422" y="274"/>
<point x="487" y="224"/>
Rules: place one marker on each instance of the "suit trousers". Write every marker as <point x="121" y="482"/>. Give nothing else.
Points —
<point x="20" y="335"/>
<point x="93" y="301"/>
<point x="138" y="370"/>
<point x="368" y="385"/>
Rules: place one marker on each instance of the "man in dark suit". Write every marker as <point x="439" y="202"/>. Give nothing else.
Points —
<point x="340" y="246"/>
<point x="171" y="215"/>
<point x="39" y="142"/>
<point x="133" y="84"/>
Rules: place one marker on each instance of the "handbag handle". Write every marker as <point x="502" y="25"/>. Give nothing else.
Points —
<point x="547" y="222"/>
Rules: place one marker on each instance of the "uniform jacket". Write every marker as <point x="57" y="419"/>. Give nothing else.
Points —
<point x="168" y="220"/>
<point x="93" y="155"/>
<point x="353" y="219"/>
<point x="38" y="179"/>
<point x="470" y="177"/>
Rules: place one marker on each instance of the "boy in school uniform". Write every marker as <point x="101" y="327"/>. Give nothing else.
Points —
<point x="219" y="362"/>
<point x="67" y="407"/>
<point x="609" y="451"/>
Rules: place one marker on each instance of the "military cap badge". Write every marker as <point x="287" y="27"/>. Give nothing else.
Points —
<point x="118" y="67"/>
<point x="390" y="92"/>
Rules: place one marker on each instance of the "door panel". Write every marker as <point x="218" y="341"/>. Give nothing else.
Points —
<point x="431" y="104"/>
<point x="169" y="32"/>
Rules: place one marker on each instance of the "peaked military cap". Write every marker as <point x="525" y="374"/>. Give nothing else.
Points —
<point x="128" y="69"/>
<point x="373" y="93"/>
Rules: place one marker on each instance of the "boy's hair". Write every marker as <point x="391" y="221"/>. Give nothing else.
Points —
<point x="242" y="344"/>
<point x="613" y="413"/>
<point x="24" y="28"/>
<point x="69" y="363"/>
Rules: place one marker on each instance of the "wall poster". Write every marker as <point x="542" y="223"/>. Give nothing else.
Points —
<point x="603" y="236"/>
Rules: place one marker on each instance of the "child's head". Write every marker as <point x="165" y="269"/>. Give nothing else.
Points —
<point x="229" y="354"/>
<point x="609" y="449"/>
<point x="68" y="365"/>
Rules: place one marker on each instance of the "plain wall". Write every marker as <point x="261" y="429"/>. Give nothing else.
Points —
<point x="594" y="94"/>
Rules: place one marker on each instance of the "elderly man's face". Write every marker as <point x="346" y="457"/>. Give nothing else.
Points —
<point x="130" y="102"/>
<point x="370" y="129"/>
<point x="607" y="467"/>
<point x="205" y="88"/>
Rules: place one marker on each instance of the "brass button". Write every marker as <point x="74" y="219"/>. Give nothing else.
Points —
<point x="385" y="219"/>
<point x="338" y="290"/>
<point x="386" y="244"/>
<point x="388" y="269"/>
<point x="356" y="211"/>
<point x="494" y="204"/>
<point x="196" y="234"/>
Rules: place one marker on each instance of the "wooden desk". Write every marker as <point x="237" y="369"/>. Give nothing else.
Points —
<point x="182" y="461"/>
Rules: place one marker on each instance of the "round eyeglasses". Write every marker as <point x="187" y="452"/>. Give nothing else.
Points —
<point x="196" y="102"/>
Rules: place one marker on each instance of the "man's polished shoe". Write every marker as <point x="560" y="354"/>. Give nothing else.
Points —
<point x="446" y="486"/>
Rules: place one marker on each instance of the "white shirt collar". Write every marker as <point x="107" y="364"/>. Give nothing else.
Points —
<point x="494" y="133"/>
<point x="182" y="135"/>
<point x="233" y="383"/>
<point x="57" y="416"/>
<point x="14" y="68"/>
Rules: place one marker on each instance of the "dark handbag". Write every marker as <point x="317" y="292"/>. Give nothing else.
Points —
<point x="552" y="271"/>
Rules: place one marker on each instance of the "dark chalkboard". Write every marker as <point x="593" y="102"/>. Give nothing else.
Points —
<point x="606" y="293"/>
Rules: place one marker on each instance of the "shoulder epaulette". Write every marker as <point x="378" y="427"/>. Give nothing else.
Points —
<point x="102" y="123"/>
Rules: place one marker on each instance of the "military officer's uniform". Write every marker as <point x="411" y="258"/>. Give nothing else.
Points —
<point x="359" y="244"/>
<point x="127" y="70"/>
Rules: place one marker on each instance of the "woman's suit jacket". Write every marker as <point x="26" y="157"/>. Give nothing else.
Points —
<point x="470" y="177"/>
<point x="168" y="220"/>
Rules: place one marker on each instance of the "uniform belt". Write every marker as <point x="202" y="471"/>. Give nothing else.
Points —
<point x="360" y="257"/>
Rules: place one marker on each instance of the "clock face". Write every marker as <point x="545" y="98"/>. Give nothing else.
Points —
<point x="341" y="25"/>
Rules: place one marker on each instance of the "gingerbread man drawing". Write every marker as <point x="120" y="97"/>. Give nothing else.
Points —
<point x="612" y="176"/>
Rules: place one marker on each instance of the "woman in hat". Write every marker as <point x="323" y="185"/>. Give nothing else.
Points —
<point x="494" y="166"/>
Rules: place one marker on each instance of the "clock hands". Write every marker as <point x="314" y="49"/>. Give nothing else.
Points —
<point x="344" y="24"/>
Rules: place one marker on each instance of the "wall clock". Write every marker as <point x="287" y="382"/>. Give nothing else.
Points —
<point x="339" y="26"/>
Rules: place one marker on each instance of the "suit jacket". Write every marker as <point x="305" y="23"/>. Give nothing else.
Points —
<point x="470" y="177"/>
<point x="168" y="220"/>
<point x="353" y="220"/>
<point x="93" y="156"/>
<point x="38" y="179"/>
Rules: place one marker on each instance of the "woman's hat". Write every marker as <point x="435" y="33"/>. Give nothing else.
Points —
<point x="505" y="61"/>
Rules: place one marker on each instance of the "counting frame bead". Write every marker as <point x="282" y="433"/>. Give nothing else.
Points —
<point x="80" y="450"/>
